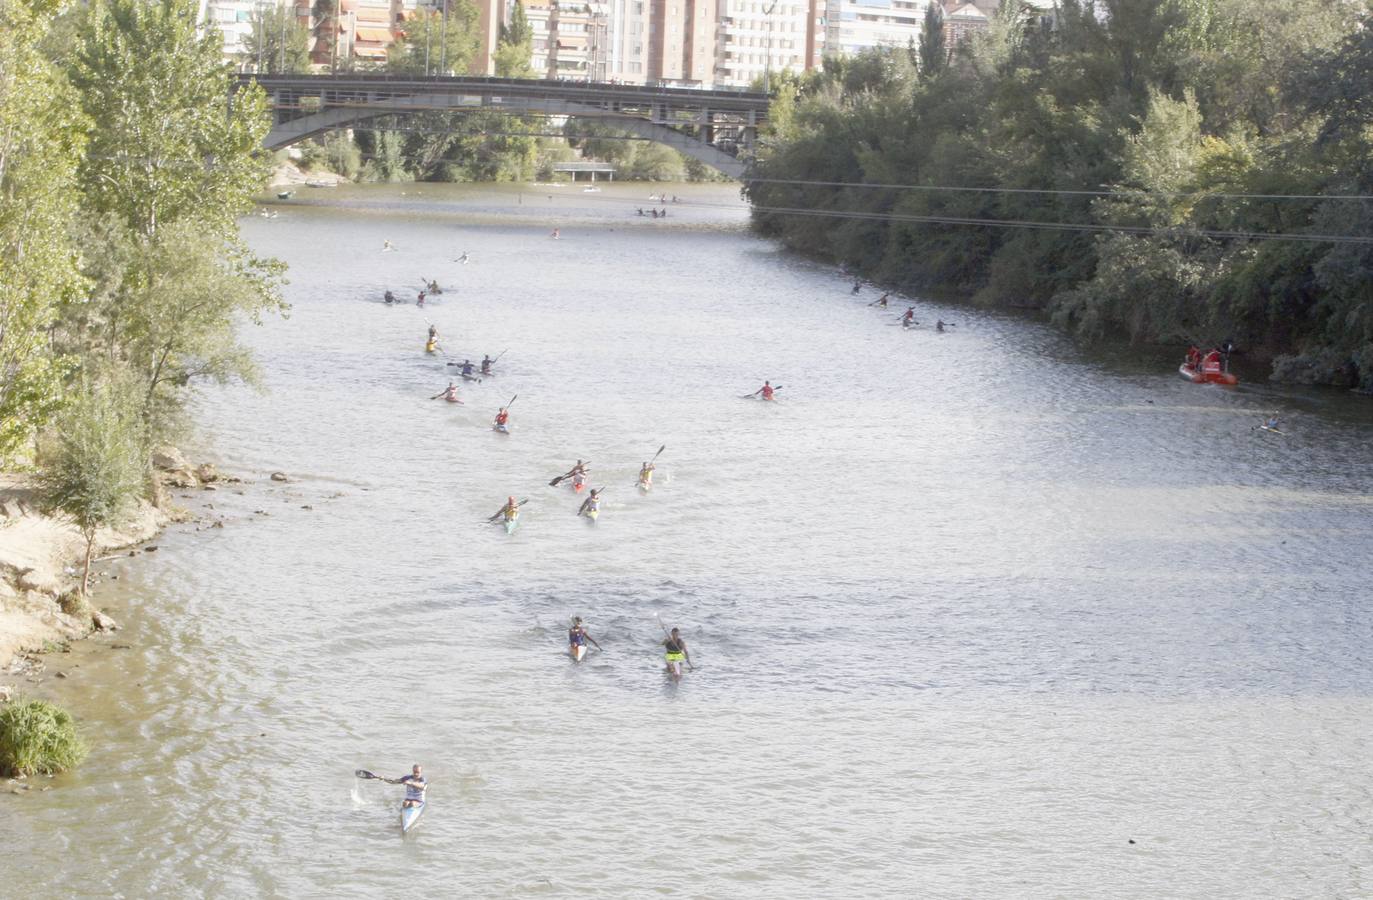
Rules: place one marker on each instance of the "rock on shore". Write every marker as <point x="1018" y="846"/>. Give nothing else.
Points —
<point x="40" y="556"/>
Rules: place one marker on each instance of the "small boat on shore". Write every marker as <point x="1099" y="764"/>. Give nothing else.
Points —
<point x="285" y="195"/>
<point x="1207" y="375"/>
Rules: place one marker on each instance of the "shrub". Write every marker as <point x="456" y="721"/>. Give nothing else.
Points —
<point x="38" y="738"/>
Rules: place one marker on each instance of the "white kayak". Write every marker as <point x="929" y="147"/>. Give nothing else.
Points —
<point x="409" y="815"/>
<point x="578" y="652"/>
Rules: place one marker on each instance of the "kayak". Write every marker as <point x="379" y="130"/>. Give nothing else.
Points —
<point x="578" y="651"/>
<point x="645" y="486"/>
<point x="592" y="515"/>
<point x="503" y="429"/>
<point x="578" y="482"/>
<point x="511" y="524"/>
<point x="466" y="377"/>
<point x="409" y="815"/>
<point x="1272" y="429"/>
<point x="1192" y="374"/>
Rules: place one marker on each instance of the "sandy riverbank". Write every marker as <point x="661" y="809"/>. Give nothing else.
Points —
<point x="40" y="558"/>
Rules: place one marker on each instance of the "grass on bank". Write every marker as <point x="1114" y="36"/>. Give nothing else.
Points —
<point x="38" y="738"/>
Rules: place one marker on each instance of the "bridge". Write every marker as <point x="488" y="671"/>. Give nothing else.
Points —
<point x="715" y="127"/>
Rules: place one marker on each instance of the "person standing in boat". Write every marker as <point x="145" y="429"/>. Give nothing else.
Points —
<point x="577" y="636"/>
<point x="675" y="648"/>
<point x="415" y="786"/>
<point x="1211" y="362"/>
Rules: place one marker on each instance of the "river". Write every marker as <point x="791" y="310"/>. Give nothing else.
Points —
<point x="972" y="614"/>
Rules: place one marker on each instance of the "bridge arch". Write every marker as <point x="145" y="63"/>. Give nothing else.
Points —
<point x="703" y="125"/>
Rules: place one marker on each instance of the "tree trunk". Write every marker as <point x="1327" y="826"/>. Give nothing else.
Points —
<point x="86" y="575"/>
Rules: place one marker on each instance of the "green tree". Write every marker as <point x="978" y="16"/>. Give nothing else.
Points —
<point x="436" y="42"/>
<point x="515" y="48"/>
<point x="169" y="141"/>
<point x="277" y="42"/>
<point x="173" y="160"/>
<point x="98" y="465"/>
<point x="41" y="137"/>
<point x="933" y="50"/>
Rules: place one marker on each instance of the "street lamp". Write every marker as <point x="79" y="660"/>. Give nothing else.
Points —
<point x="767" y="63"/>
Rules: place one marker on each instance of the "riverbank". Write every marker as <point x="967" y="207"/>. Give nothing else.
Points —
<point x="40" y="558"/>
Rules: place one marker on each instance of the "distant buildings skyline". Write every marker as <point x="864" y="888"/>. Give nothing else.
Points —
<point x="730" y="43"/>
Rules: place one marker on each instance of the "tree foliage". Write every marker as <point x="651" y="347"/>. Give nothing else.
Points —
<point x="41" y="137"/>
<point x="439" y="41"/>
<point x="277" y="44"/>
<point x="98" y="463"/>
<point x="1188" y="114"/>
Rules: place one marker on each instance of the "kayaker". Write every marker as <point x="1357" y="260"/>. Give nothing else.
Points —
<point x="1272" y="423"/>
<point x="486" y="364"/>
<point x="555" y="234"/>
<point x="646" y="475"/>
<point x="767" y="390"/>
<point x="908" y="317"/>
<point x="386" y="246"/>
<point x="449" y="393"/>
<point x="509" y="511"/>
<point x="577" y="635"/>
<point x="434" y="288"/>
<point x="433" y="332"/>
<point x="939" y="326"/>
<point x="468" y="370"/>
<point x="502" y="418"/>
<point x="419" y="301"/>
<point x="464" y="258"/>
<point x="882" y="301"/>
<point x="431" y="345"/>
<point x="388" y="297"/>
<point x="415" y="786"/>
<point x="857" y="286"/>
<point x="676" y="653"/>
<point x="592" y="504"/>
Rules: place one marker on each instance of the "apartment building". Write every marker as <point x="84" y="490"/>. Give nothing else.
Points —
<point x="758" y="37"/>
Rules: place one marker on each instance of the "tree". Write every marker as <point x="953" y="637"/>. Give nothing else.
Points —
<point x="173" y="160"/>
<point x="436" y="42"/>
<point x="277" y="43"/>
<point x="40" y="145"/>
<point x="515" y="47"/>
<point x="933" y="51"/>
<point x="169" y="141"/>
<point x="98" y="465"/>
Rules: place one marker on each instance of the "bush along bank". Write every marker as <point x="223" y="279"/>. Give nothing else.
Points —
<point x="38" y="738"/>
<point x="1169" y="172"/>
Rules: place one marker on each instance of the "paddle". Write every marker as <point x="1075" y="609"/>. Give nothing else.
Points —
<point x="500" y="512"/>
<point x="363" y="773"/>
<point x="556" y="481"/>
<point x="512" y="401"/>
<point x="667" y="634"/>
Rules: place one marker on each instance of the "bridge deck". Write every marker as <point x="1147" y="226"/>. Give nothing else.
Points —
<point x="364" y="88"/>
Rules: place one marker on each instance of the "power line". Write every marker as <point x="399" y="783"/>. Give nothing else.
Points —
<point x="1053" y="191"/>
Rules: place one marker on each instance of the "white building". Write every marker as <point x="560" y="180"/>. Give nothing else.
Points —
<point x="852" y="26"/>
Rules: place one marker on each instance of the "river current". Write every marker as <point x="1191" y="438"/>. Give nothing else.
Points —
<point x="980" y="613"/>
